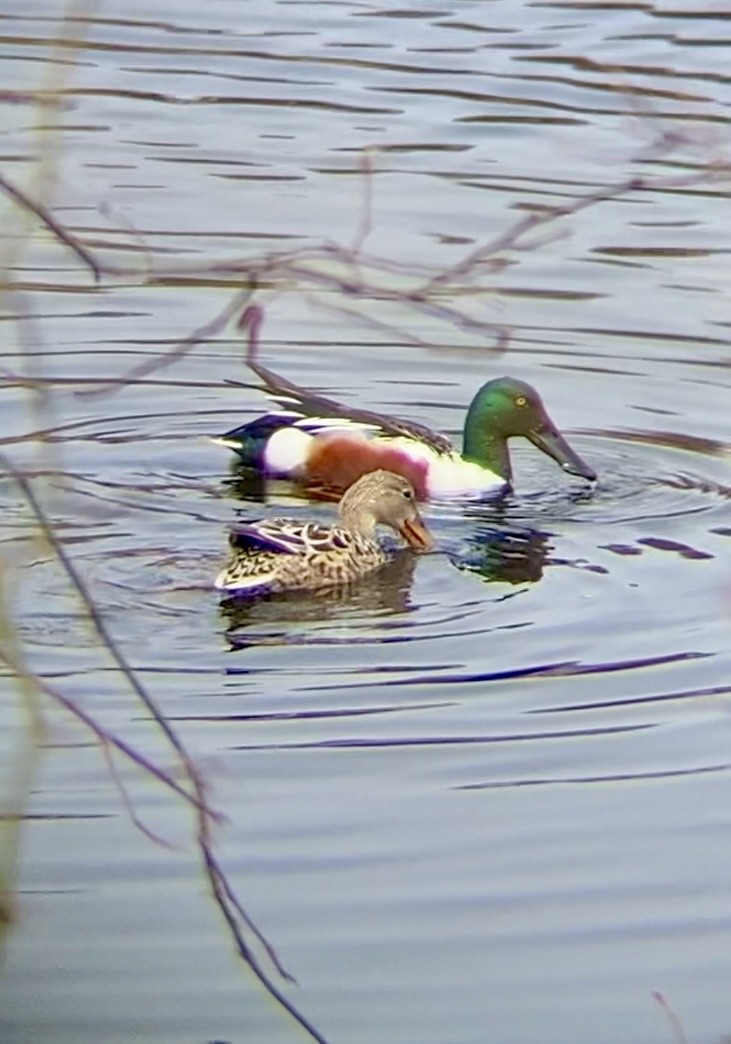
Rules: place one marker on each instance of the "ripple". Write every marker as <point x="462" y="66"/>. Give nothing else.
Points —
<point x="451" y="741"/>
<point x="617" y="777"/>
<point x="642" y="476"/>
<point x="403" y="809"/>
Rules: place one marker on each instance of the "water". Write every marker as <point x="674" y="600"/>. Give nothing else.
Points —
<point x="484" y="798"/>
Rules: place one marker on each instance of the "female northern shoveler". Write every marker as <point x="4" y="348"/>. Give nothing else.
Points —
<point x="323" y="443"/>
<point x="284" y="555"/>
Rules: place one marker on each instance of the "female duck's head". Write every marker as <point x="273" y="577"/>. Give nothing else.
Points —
<point x="382" y="497"/>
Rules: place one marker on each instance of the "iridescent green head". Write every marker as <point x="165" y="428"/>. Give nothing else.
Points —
<point x="506" y="407"/>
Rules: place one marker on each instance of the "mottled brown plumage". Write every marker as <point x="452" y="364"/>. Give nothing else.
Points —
<point x="283" y="554"/>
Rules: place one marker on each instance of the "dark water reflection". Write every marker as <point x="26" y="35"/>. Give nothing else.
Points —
<point x="484" y="795"/>
<point x="384" y="593"/>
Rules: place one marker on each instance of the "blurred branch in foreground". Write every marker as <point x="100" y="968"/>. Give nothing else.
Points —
<point x="192" y="790"/>
<point x="23" y="738"/>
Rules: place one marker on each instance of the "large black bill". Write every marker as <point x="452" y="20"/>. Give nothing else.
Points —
<point x="553" y="443"/>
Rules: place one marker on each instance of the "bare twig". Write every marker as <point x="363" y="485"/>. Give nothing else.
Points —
<point x="365" y="222"/>
<point x="221" y="890"/>
<point x="209" y="329"/>
<point x="348" y="271"/>
<point x="46" y="218"/>
<point x="103" y="736"/>
<point x="675" y="1023"/>
<point x="127" y="801"/>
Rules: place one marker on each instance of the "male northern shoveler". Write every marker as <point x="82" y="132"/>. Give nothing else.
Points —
<point x="283" y="555"/>
<point x="323" y="443"/>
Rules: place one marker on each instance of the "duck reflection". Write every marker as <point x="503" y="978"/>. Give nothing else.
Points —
<point x="249" y="486"/>
<point x="384" y="592"/>
<point x="505" y="544"/>
<point x="511" y="555"/>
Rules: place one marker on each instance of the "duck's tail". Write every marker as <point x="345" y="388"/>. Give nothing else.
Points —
<point x="250" y="440"/>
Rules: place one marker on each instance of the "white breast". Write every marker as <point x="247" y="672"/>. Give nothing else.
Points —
<point x="286" y="451"/>
<point x="452" y="476"/>
<point x="448" y="474"/>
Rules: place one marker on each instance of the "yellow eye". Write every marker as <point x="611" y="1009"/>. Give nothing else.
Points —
<point x="521" y="400"/>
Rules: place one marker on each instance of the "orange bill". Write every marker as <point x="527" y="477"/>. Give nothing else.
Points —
<point x="416" y="534"/>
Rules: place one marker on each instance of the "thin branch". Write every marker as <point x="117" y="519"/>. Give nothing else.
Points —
<point x="233" y="899"/>
<point x="365" y="222"/>
<point x="95" y="617"/>
<point x="220" y="887"/>
<point x="675" y="1023"/>
<point x="245" y="953"/>
<point x="58" y="230"/>
<point x="105" y="738"/>
<point x="127" y="800"/>
<point x="221" y="890"/>
<point x="177" y="352"/>
<point x="350" y="272"/>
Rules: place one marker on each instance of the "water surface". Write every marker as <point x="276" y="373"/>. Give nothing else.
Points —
<point x="485" y="797"/>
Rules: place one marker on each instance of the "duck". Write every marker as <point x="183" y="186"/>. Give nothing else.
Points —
<point x="324" y="445"/>
<point x="279" y="554"/>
